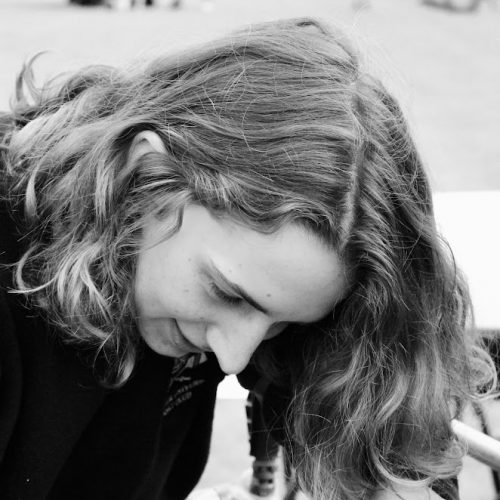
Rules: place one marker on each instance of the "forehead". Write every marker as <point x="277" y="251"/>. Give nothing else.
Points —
<point x="291" y="271"/>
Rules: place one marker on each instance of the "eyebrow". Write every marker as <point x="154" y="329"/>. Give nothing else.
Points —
<point x="217" y="273"/>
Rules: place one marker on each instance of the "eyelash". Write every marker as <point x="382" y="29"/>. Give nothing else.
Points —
<point x="220" y="294"/>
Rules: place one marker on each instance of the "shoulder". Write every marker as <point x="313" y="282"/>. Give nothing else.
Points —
<point x="8" y="340"/>
<point x="6" y="322"/>
<point x="10" y="374"/>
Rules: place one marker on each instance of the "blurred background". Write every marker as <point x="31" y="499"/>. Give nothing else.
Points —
<point x="440" y="57"/>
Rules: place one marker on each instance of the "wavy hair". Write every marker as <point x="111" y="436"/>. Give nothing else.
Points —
<point x="277" y="124"/>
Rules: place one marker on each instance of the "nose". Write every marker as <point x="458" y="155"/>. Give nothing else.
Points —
<point x="234" y="342"/>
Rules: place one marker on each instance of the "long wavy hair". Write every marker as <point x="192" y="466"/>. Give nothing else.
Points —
<point x="277" y="124"/>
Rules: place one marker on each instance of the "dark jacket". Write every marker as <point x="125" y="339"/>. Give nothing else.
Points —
<point x="64" y="436"/>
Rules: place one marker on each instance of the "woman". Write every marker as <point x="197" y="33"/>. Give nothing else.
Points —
<point x="256" y="206"/>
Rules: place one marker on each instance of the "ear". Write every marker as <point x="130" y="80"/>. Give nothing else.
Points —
<point x="144" y="142"/>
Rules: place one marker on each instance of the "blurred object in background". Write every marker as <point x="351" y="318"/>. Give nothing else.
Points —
<point x="114" y="4"/>
<point x="263" y="448"/>
<point x="459" y="5"/>
<point x="86" y="2"/>
<point x="206" y="5"/>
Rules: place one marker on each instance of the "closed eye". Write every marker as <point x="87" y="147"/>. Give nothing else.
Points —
<point x="237" y="294"/>
<point x="225" y="297"/>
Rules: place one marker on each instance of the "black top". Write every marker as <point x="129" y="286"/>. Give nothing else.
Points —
<point x="63" y="435"/>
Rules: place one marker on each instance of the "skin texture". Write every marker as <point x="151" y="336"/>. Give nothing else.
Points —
<point x="185" y="304"/>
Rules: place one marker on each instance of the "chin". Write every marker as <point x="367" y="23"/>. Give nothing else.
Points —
<point x="166" y="350"/>
<point x="161" y="346"/>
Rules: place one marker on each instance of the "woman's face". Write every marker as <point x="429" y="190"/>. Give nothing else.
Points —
<point x="218" y="286"/>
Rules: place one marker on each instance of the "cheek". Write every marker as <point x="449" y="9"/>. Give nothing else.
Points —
<point x="175" y="296"/>
<point x="153" y="291"/>
<point x="156" y="275"/>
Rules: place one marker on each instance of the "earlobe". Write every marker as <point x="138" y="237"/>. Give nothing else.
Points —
<point x="144" y="142"/>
